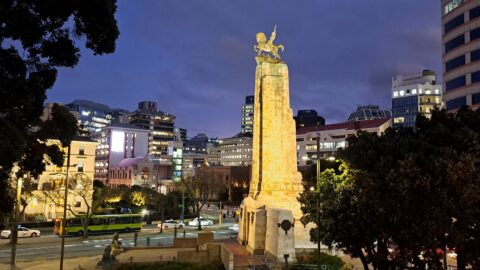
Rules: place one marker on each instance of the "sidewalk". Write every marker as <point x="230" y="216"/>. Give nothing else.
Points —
<point x="89" y="263"/>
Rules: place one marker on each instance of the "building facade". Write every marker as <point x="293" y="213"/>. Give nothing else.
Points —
<point x="413" y="94"/>
<point x="41" y="206"/>
<point x="247" y="115"/>
<point x="332" y="137"/>
<point x="160" y="126"/>
<point x="91" y="116"/>
<point x="116" y="143"/>
<point x="308" y="118"/>
<point x="461" y="53"/>
<point x="369" y="112"/>
<point x="180" y="134"/>
<point x="236" y="150"/>
<point x="175" y="154"/>
<point x="144" y="172"/>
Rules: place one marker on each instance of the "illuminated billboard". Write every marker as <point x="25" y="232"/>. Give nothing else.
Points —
<point x="118" y="142"/>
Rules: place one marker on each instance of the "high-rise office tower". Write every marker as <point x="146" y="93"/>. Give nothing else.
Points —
<point x="247" y="115"/>
<point x="461" y="53"/>
<point x="91" y="116"/>
<point x="308" y="118"/>
<point x="159" y="124"/>
<point x="413" y="94"/>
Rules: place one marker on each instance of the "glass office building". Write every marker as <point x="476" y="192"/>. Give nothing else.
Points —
<point x="413" y="94"/>
<point x="369" y="112"/>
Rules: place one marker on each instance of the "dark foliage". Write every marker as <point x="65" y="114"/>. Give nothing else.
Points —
<point x="36" y="38"/>
<point x="408" y="192"/>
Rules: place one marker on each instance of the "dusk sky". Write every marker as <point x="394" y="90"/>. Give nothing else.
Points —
<point x="195" y="58"/>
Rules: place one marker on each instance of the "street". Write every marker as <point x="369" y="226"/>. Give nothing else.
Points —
<point x="48" y="245"/>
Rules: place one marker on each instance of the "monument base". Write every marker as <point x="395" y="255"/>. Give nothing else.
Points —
<point x="272" y="231"/>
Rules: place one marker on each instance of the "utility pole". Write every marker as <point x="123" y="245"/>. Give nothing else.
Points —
<point x="64" y="221"/>
<point x="220" y="214"/>
<point x="316" y="195"/>
<point x="182" y="214"/>
<point x="14" y="233"/>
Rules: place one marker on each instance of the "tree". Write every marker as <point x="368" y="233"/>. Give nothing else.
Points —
<point x="398" y="194"/>
<point x="79" y="187"/>
<point x="36" y="38"/>
<point x="203" y="187"/>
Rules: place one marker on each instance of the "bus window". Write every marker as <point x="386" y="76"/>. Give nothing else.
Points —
<point x="136" y="219"/>
<point x="98" y="221"/>
<point x="126" y="220"/>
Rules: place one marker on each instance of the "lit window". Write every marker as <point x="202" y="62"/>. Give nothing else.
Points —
<point x="402" y="93"/>
<point x="395" y="94"/>
<point x="420" y="90"/>
<point x="118" y="140"/>
<point x="450" y="6"/>
<point x="80" y="166"/>
<point x="398" y="119"/>
<point x="437" y="91"/>
<point x="414" y="91"/>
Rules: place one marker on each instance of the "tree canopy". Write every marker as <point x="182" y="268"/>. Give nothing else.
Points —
<point x="405" y="194"/>
<point x="37" y="38"/>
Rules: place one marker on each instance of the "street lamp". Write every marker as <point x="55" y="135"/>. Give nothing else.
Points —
<point x="65" y="201"/>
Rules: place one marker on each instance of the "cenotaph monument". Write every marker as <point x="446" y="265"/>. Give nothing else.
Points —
<point x="270" y="215"/>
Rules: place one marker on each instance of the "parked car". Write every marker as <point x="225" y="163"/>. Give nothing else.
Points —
<point x="22" y="232"/>
<point x="234" y="228"/>
<point x="203" y="222"/>
<point x="171" y="224"/>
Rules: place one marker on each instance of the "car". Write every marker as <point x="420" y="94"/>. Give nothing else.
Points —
<point x="203" y="222"/>
<point x="170" y="224"/>
<point x="22" y="232"/>
<point x="234" y="228"/>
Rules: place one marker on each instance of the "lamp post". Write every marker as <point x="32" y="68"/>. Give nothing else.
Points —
<point x="316" y="195"/>
<point x="65" y="201"/>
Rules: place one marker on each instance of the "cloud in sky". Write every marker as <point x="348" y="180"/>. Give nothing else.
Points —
<point x="195" y="58"/>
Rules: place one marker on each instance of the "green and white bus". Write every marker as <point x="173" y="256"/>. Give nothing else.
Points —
<point x="101" y="224"/>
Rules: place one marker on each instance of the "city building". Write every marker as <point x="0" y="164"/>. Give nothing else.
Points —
<point x="200" y="144"/>
<point x="91" y="116"/>
<point x="116" y="143"/>
<point x="369" y="112"/>
<point x="197" y="144"/>
<point x="82" y="159"/>
<point x="180" y="134"/>
<point x="160" y="126"/>
<point x="175" y="152"/>
<point x="235" y="181"/>
<point x="332" y="137"/>
<point x="144" y="172"/>
<point x="413" y="94"/>
<point x="308" y="118"/>
<point x="461" y="53"/>
<point x="236" y="150"/>
<point x="247" y="115"/>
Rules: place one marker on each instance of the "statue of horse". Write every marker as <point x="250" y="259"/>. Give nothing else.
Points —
<point x="267" y="46"/>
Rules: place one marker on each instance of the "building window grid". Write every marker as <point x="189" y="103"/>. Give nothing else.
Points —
<point x="454" y="43"/>
<point x="453" y="23"/>
<point x="455" y="83"/>
<point x="475" y="34"/>
<point x="456" y="103"/>
<point x="454" y="63"/>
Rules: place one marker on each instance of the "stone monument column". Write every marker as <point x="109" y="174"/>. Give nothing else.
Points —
<point x="270" y="215"/>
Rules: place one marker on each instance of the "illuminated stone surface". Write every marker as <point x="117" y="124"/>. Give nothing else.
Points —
<point x="275" y="183"/>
